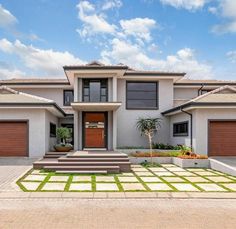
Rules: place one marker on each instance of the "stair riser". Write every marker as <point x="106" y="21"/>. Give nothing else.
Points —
<point x="93" y="160"/>
<point x="96" y="156"/>
<point x="82" y="169"/>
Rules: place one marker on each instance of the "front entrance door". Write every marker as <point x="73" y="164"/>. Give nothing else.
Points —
<point x="95" y="130"/>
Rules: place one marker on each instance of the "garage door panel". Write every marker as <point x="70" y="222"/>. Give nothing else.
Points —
<point x="222" y="138"/>
<point x="13" y="139"/>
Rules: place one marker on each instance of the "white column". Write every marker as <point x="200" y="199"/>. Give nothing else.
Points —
<point x="76" y="130"/>
<point x="114" y="89"/>
<point x="79" y="83"/>
<point x="114" y="130"/>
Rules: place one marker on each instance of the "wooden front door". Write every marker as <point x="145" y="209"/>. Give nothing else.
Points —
<point x="95" y="130"/>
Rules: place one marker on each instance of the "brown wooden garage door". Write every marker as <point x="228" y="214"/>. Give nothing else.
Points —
<point x="13" y="139"/>
<point x="222" y="138"/>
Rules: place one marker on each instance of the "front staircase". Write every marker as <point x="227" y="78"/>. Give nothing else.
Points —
<point x="84" y="162"/>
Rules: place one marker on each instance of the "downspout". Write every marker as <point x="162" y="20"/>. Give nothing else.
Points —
<point x="198" y="92"/>
<point x="191" y="127"/>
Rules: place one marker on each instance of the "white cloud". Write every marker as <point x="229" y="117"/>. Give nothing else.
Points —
<point x="232" y="56"/>
<point x="185" y="4"/>
<point x="133" y="55"/>
<point x="138" y="27"/>
<point x="6" y="18"/>
<point x="93" y="23"/>
<point x="111" y="4"/>
<point x="46" y="61"/>
<point x="227" y="9"/>
<point x="9" y="73"/>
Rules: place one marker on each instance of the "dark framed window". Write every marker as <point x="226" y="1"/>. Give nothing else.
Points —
<point x="53" y="128"/>
<point x="68" y="97"/>
<point x="95" y="90"/>
<point x="141" y="95"/>
<point x="180" y="129"/>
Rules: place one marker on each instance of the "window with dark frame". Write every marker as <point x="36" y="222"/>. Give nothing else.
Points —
<point x="180" y="129"/>
<point x="68" y="97"/>
<point x="141" y="95"/>
<point x="95" y="90"/>
<point x="53" y="128"/>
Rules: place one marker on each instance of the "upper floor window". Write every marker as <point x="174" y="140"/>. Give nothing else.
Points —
<point x="180" y="129"/>
<point x="95" y="90"/>
<point x="141" y="95"/>
<point x="68" y="97"/>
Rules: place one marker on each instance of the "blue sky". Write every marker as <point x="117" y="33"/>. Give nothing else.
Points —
<point x="195" y="36"/>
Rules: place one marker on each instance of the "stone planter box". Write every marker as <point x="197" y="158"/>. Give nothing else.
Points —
<point x="129" y="151"/>
<point x="191" y="163"/>
<point x="159" y="160"/>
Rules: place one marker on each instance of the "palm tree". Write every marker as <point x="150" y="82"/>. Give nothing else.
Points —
<point x="148" y="127"/>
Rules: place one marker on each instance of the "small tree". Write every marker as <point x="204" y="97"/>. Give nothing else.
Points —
<point x="63" y="134"/>
<point x="149" y="127"/>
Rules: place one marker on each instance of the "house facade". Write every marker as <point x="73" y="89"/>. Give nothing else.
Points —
<point x="101" y="105"/>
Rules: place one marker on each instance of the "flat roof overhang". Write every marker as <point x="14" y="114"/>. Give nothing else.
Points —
<point x="99" y="106"/>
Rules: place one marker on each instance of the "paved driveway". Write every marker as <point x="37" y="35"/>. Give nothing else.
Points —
<point x="10" y="170"/>
<point x="145" y="214"/>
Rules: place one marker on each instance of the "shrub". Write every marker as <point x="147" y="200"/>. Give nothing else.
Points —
<point x="166" y="146"/>
<point x="148" y="164"/>
<point x="156" y="154"/>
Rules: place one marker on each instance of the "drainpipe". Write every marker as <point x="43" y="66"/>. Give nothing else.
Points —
<point x="191" y="129"/>
<point x="198" y="92"/>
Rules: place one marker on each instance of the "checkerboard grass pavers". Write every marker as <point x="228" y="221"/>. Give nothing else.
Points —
<point x="185" y="187"/>
<point x="173" y="179"/>
<point x="107" y="187"/>
<point x="80" y="187"/>
<point x="144" y="173"/>
<point x="82" y="179"/>
<point x="151" y="179"/>
<point x="133" y="187"/>
<point x="196" y="179"/>
<point x="105" y="179"/>
<point x="31" y="186"/>
<point x="164" y="178"/>
<point x="54" y="187"/>
<point x="35" y="177"/>
<point x="58" y="178"/>
<point x="159" y="187"/>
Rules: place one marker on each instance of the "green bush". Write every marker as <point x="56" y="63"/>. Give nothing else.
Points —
<point x="166" y="146"/>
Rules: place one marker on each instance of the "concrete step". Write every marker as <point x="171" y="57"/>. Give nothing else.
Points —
<point x="97" y="155"/>
<point x="124" y="166"/>
<point x="52" y="156"/>
<point x="66" y="159"/>
<point x="110" y="169"/>
<point x="56" y="153"/>
<point x="81" y="171"/>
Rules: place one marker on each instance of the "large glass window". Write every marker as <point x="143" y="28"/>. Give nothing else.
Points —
<point x="68" y="97"/>
<point x="180" y="129"/>
<point x="95" y="90"/>
<point x="141" y="95"/>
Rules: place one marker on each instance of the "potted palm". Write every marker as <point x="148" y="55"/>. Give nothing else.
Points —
<point x="149" y="127"/>
<point x="63" y="134"/>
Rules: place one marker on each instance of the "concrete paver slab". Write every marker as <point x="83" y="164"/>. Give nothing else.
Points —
<point x="132" y="186"/>
<point x="107" y="187"/>
<point x="80" y="187"/>
<point x="185" y="187"/>
<point x="128" y="179"/>
<point x="59" y="178"/>
<point x="151" y="179"/>
<point x="35" y="178"/>
<point x="211" y="187"/>
<point x="81" y="178"/>
<point x="159" y="187"/>
<point x="54" y="187"/>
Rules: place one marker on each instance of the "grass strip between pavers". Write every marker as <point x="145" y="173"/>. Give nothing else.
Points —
<point x="119" y="184"/>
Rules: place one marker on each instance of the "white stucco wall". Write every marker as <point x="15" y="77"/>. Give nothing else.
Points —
<point x="36" y="118"/>
<point x="127" y="134"/>
<point x="49" y="141"/>
<point x="201" y="125"/>
<point x="55" y="94"/>
<point x="184" y="140"/>
<point x="185" y="93"/>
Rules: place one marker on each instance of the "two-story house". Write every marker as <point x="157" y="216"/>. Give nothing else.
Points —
<point x="101" y="104"/>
